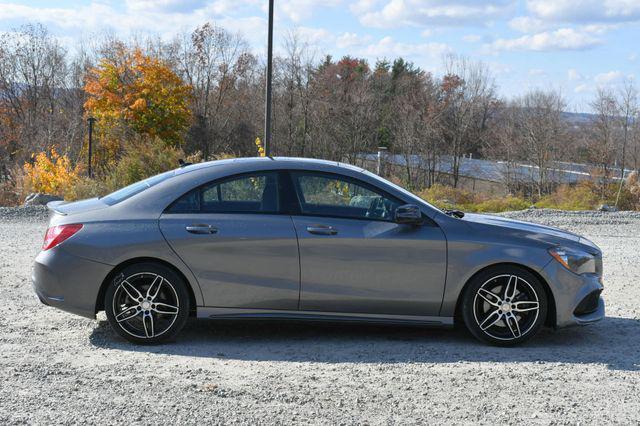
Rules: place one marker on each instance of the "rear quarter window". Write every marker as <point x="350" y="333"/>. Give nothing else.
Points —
<point x="136" y="188"/>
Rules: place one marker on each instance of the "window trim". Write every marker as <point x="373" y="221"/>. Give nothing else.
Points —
<point x="295" y="185"/>
<point x="224" y="179"/>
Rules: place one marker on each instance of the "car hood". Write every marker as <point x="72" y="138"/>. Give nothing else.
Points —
<point x="532" y="230"/>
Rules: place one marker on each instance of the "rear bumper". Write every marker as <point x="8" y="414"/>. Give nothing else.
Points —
<point x="569" y="291"/>
<point x="68" y="282"/>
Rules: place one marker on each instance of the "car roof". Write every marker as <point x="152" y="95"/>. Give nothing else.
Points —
<point x="259" y="162"/>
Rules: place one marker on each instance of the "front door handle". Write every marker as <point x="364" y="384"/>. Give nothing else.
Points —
<point x="322" y="230"/>
<point x="201" y="229"/>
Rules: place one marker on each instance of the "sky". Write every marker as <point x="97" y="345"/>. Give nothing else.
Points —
<point x="574" y="46"/>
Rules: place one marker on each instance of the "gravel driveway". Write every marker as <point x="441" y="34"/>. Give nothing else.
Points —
<point x="59" y="368"/>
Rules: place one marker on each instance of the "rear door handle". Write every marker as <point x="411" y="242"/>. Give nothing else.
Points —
<point x="201" y="229"/>
<point x="321" y="230"/>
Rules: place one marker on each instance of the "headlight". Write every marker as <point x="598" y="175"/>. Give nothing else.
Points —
<point x="577" y="261"/>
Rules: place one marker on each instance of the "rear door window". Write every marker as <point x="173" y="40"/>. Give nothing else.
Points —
<point x="248" y="193"/>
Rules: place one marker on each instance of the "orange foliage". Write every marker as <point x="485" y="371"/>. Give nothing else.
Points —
<point x="50" y="174"/>
<point x="140" y="92"/>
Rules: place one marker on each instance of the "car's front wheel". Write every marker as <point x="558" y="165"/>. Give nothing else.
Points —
<point x="147" y="303"/>
<point x="504" y="305"/>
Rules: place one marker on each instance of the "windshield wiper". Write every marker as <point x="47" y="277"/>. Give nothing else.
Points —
<point x="454" y="213"/>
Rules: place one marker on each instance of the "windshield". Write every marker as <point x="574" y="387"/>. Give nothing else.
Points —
<point x="136" y="188"/>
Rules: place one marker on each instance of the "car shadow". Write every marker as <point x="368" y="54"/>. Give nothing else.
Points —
<point x="614" y="342"/>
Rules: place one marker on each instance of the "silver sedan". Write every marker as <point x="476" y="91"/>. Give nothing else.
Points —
<point x="283" y="238"/>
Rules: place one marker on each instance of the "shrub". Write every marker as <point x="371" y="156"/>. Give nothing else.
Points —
<point x="142" y="158"/>
<point x="86" y="187"/>
<point x="505" y="204"/>
<point x="49" y="174"/>
<point x="8" y="194"/>
<point x="582" y="196"/>
<point x="447" y="196"/>
<point x="588" y="195"/>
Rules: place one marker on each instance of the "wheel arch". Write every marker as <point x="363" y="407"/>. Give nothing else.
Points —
<point x="550" y="320"/>
<point x="100" y="300"/>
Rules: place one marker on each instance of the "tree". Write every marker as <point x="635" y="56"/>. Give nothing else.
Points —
<point x="141" y="94"/>
<point x="214" y="62"/>
<point x="541" y="132"/>
<point x="292" y="100"/>
<point x="415" y="115"/>
<point x="467" y="92"/>
<point x="628" y="106"/>
<point x="37" y="96"/>
<point x="604" y="134"/>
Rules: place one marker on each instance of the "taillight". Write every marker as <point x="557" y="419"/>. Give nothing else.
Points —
<point x="57" y="234"/>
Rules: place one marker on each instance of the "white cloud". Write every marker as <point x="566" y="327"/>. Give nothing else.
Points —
<point x="610" y="77"/>
<point x="632" y="56"/>
<point x="388" y="47"/>
<point x="498" y="68"/>
<point x="97" y="16"/>
<point x="398" y="13"/>
<point x="301" y="10"/>
<point x="536" y="72"/>
<point x="348" y="40"/>
<point x="586" y="10"/>
<point x="165" y="6"/>
<point x="472" y="38"/>
<point x="574" y="75"/>
<point x="582" y="88"/>
<point x="528" y="24"/>
<point x="561" y="39"/>
<point x="315" y="35"/>
<point x="363" y="6"/>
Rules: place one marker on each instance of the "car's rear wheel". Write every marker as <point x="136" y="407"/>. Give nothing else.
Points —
<point x="147" y="303"/>
<point x="504" y="306"/>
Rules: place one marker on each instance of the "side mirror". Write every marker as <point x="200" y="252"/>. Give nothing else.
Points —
<point x="408" y="214"/>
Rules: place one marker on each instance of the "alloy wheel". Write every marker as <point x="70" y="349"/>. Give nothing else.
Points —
<point x="506" y="307"/>
<point x="145" y="305"/>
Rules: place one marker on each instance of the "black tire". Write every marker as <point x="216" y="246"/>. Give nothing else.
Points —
<point x="507" y="317"/>
<point x="140" y="320"/>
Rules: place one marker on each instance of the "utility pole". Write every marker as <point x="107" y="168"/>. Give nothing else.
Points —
<point x="267" y="106"/>
<point x="91" y="120"/>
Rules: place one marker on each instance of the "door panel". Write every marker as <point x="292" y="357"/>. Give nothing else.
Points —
<point x="246" y="261"/>
<point x="366" y="266"/>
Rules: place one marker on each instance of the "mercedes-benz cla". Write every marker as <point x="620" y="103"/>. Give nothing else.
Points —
<point x="299" y="239"/>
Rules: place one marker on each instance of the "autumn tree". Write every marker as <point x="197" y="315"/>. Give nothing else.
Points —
<point x="134" y="92"/>
<point x="344" y="114"/>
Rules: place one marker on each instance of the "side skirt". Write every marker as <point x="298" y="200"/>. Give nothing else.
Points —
<point x="267" y="314"/>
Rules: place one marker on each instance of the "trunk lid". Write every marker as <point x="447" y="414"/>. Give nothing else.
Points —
<point x="65" y="208"/>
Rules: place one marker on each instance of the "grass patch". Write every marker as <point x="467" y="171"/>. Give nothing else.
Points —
<point x="447" y="197"/>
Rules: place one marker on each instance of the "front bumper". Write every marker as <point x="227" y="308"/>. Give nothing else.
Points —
<point x="591" y="317"/>
<point x="68" y="282"/>
<point x="569" y="291"/>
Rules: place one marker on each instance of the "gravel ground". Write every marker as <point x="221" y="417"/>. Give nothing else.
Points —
<point x="59" y="368"/>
